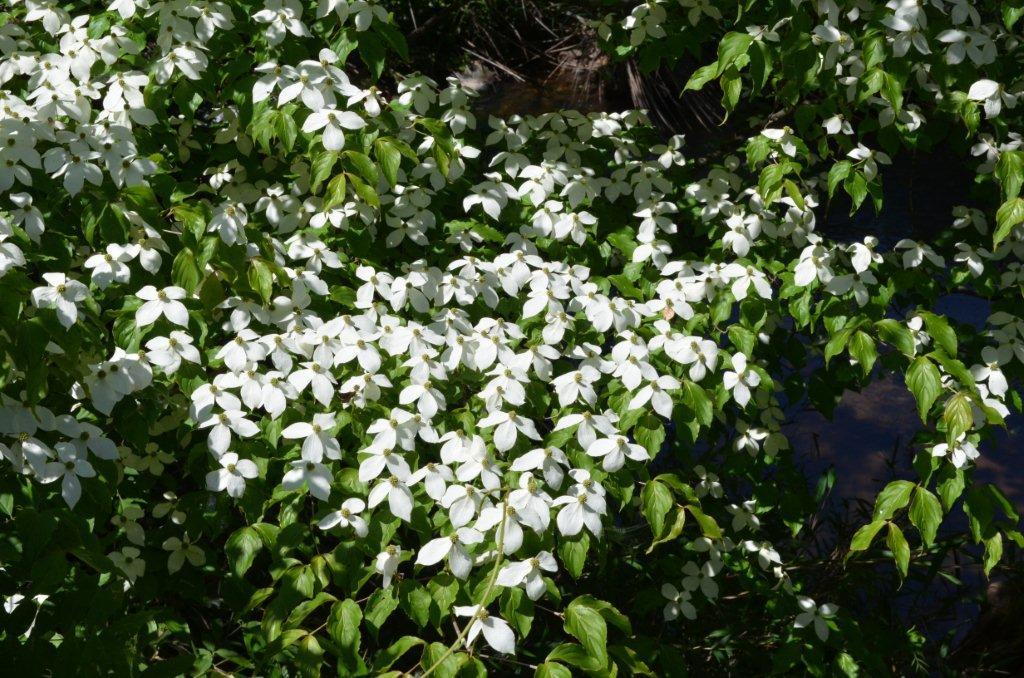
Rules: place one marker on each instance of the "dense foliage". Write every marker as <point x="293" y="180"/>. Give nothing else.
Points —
<point x="307" y="369"/>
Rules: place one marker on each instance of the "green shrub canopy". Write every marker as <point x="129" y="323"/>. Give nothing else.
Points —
<point x="300" y="373"/>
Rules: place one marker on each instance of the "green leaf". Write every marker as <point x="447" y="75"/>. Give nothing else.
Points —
<point x="732" y="86"/>
<point x="1010" y="172"/>
<point x="517" y="609"/>
<point x="656" y="501"/>
<point x="847" y="665"/>
<point x="1011" y="14"/>
<point x="448" y="668"/>
<point x="306" y="608"/>
<point x="261" y="279"/>
<point x="650" y="433"/>
<point x="185" y="270"/>
<point x="386" y="658"/>
<point x="674" y="530"/>
<point x="708" y="526"/>
<point x="590" y="628"/>
<point x="895" y="333"/>
<point x="951" y="487"/>
<point x="863" y="537"/>
<point x="837" y="174"/>
<point x="552" y="670"/>
<point x="241" y="548"/>
<point x="574" y="654"/>
<point x="897" y="543"/>
<point x="926" y="514"/>
<point x="287" y="130"/>
<point x="925" y="382"/>
<point x="321" y="168"/>
<point x="697" y="399"/>
<point x="373" y="53"/>
<point x="701" y="77"/>
<point x="336" y="191"/>
<point x="363" y="166"/>
<point x="837" y="342"/>
<point x="862" y="347"/>
<point x="380" y="606"/>
<point x="939" y="330"/>
<point x="892" y="498"/>
<point x="389" y="158"/>
<point x="1010" y="214"/>
<point x="958" y="416"/>
<point x="573" y="553"/>
<point x="857" y="187"/>
<point x="343" y="627"/>
<point x="743" y="339"/>
<point x="874" y="51"/>
<point x="730" y="48"/>
<point x="993" y="552"/>
<point x="892" y="89"/>
<point x="793" y="191"/>
<point x="365" y="192"/>
<point x="760" y="64"/>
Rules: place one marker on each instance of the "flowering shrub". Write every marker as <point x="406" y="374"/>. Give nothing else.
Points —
<point x="306" y="374"/>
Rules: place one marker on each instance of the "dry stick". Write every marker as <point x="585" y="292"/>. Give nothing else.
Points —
<point x="487" y="593"/>
<point x="494" y="63"/>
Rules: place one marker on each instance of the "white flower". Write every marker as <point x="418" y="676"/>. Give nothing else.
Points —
<point x="869" y="160"/>
<point x="453" y="548"/>
<point x="549" y="460"/>
<point x="128" y="560"/>
<point x="347" y="516"/>
<point x="462" y="502"/>
<point x="708" y="483"/>
<point x="614" y="452"/>
<point x="182" y="550"/>
<point x="496" y="631"/>
<point x="27" y="216"/>
<point x="702" y="578"/>
<point x="991" y="372"/>
<point x="396" y="490"/>
<point x="582" y="506"/>
<point x="70" y="465"/>
<point x="914" y="254"/>
<point x="993" y="95"/>
<point x="110" y="266"/>
<point x="527" y="573"/>
<point x="960" y="455"/>
<point x="333" y="123"/>
<point x="317" y="440"/>
<point x="387" y="562"/>
<point x="744" y="515"/>
<point x="281" y="17"/>
<point x="168" y="352"/>
<point x="678" y="603"/>
<point x="784" y="138"/>
<point x="837" y="124"/>
<point x="508" y="425"/>
<point x="221" y="425"/>
<point x="62" y="295"/>
<point x="813" y="264"/>
<point x="656" y="392"/>
<point x="165" y="302"/>
<point x="315" y="476"/>
<point x="740" y="379"/>
<point x="232" y="475"/>
<point x="229" y="222"/>
<point x="589" y="425"/>
<point x="814" y="615"/>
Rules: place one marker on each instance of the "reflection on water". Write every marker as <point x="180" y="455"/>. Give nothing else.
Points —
<point x="868" y="441"/>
